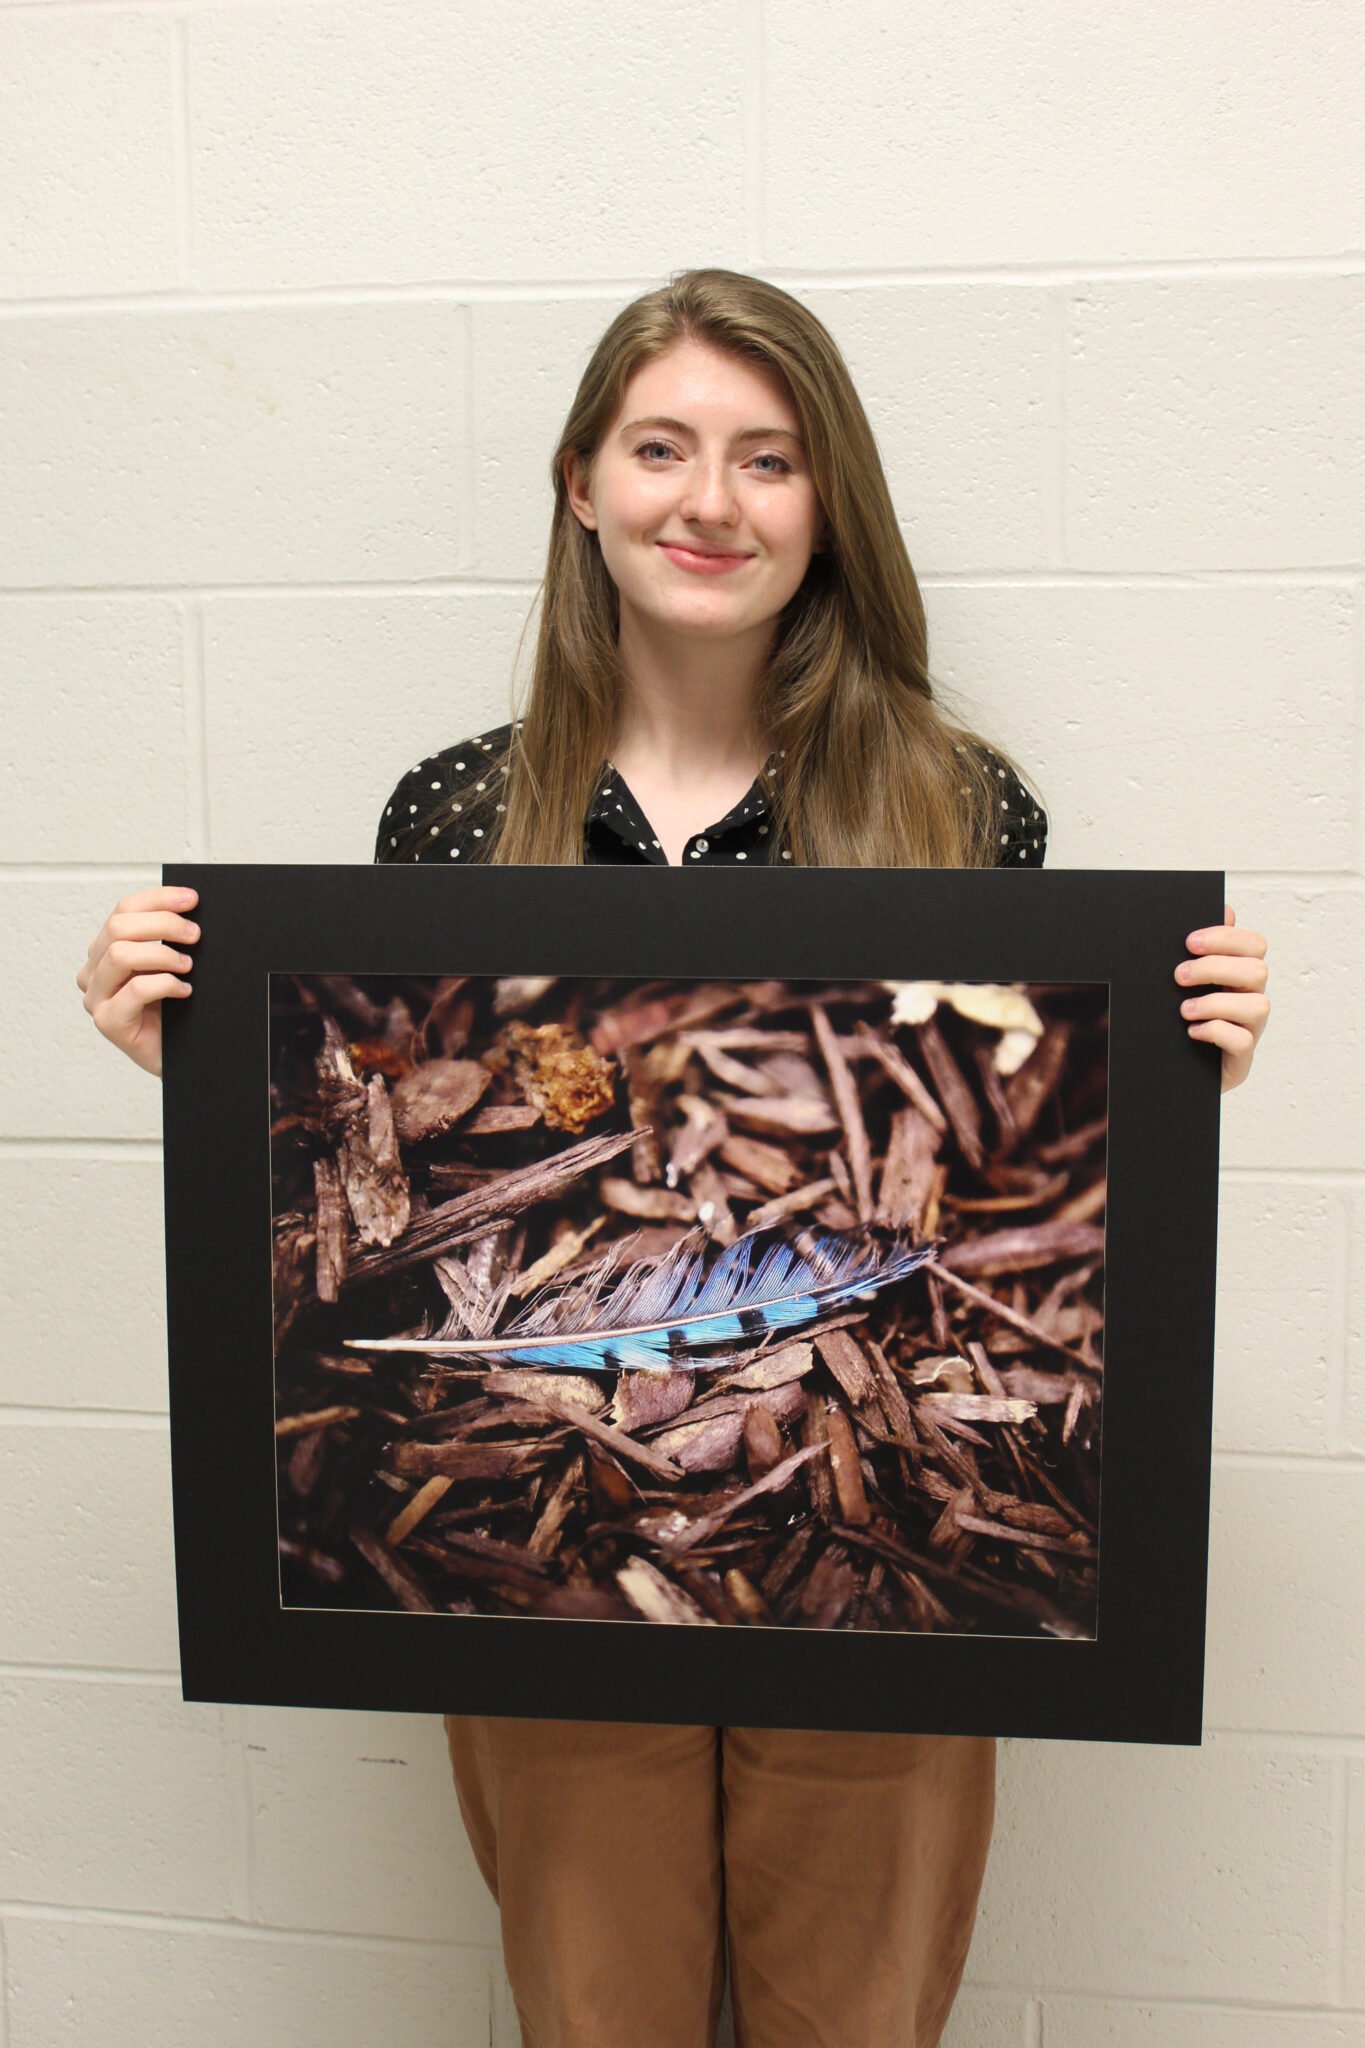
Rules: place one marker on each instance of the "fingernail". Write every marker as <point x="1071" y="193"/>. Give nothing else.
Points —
<point x="1184" y="971"/>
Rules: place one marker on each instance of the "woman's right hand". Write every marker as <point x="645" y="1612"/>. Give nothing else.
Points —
<point x="128" y="969"/>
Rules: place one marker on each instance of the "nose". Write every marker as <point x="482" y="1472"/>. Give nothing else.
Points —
<point x="709" y="495"/>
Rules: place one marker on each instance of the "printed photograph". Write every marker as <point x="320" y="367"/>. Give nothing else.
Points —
<point x="769" y="1304"/>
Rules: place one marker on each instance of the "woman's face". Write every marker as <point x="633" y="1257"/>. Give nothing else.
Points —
<point x="685" y="462"/>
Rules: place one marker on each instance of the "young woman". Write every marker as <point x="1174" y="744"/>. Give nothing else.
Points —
<point x="730" y="669"/>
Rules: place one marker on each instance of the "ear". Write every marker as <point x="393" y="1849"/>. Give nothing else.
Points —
<point x="579" y="501"/>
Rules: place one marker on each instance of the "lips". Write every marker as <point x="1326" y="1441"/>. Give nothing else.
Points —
<point x="692" y="547"/>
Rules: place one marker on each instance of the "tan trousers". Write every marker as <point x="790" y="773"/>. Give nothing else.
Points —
<point x="842" y="1871"/>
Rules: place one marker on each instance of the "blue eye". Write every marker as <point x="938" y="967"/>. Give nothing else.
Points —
<point x="769" y="456"/>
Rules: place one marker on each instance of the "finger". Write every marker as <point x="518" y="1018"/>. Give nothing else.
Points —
<point x="123" y="962"/>
<point x="128" y="923"/>
<point x="162" y="896"/>
<point x="1233" y="1038"/>
<point x="1253" y="1011"/>
<point x="145" y="928"/>
<point x="136" y="956"/>
<point x="150" y="924"/>
<point x="1250" y="972"/>
<point x="1225" y="938"/>
<point x="1229" y="914"/>
<point x="125" y="1008"/>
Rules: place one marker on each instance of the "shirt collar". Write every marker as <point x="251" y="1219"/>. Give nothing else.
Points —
<point x="614" y="803"/>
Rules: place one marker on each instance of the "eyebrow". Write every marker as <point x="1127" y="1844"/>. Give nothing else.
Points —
<point x="681" y="427"/>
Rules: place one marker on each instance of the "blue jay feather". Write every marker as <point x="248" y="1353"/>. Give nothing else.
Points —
<point x="661" y="1313"/>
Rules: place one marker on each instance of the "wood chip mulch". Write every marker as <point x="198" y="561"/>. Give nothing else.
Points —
<point x="927" y="1458"/>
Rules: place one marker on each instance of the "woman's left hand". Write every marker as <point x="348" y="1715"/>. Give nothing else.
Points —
<point x="1227" y="1016"/>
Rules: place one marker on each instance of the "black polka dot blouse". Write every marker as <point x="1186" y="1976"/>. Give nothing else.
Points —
<point x="446" y="809"/>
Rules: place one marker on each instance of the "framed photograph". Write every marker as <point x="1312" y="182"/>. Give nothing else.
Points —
<point x="783" y="1299"/>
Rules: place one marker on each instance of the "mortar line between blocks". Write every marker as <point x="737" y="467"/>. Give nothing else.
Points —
<point x="471" y="536"/>
<point x="1051" y="576"/>
<point x="90" y="1674"/>
<point x="184" y="151"/>
<point x="1341" y="1830"/>
<point x="1305" y="1742"/>
<point x="1334" y="269"/>
<point x="1287" y="1461"/>
<point x="1358" y="730"/>
<point x="229" y="1930"/>
<point x="121" y="1149"/>
<point x="1171" y="2001"/>
<point x="1349" y="1254"/>
<point x="1061" y="325"/>
<point x="15" y="1416"/>
<point x="754" y="126"/>
<point x="243" y="1874"/>
<point x="196" y="728"/>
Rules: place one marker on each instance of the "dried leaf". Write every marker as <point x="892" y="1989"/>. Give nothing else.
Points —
<point x="569" y="1081"/>
<point x="1004" y="1008"/>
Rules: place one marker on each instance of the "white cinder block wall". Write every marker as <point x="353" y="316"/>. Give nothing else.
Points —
<point x="294" y="302"/>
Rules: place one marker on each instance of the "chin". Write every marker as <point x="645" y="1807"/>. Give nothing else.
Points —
<point x="719" y="622"/>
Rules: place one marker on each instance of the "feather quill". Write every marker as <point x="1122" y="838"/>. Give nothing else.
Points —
<point x="664" y="1311"/>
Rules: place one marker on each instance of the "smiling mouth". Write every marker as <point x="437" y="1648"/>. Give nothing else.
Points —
<point x="682" y="547"/>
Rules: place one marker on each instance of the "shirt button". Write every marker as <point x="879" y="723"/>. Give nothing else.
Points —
<point x="702" y="845"/>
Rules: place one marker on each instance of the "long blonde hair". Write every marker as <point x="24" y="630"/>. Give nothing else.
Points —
<point x="872" y="772"/>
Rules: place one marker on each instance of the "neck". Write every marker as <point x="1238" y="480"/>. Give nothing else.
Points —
<point x="688" y="709"/>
